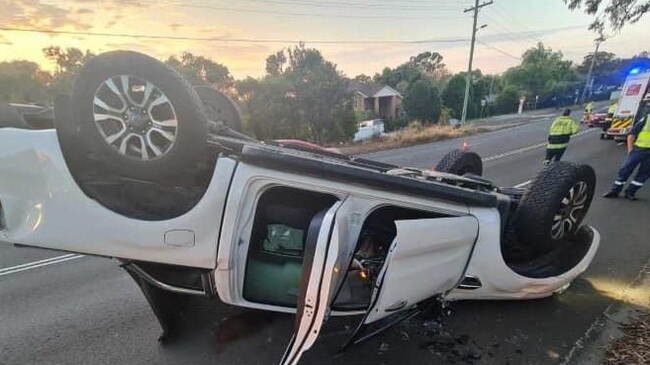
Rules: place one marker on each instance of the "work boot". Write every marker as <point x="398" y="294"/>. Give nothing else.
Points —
<point x="630" y="192"/>
<point x="613" y="191"/>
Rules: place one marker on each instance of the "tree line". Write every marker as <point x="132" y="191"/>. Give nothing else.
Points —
<point x="302" y="95"/>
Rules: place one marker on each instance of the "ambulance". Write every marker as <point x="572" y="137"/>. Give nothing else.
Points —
<point x="634" y="93"/>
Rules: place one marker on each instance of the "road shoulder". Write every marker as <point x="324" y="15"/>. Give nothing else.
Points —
<point x="595" y="347"/>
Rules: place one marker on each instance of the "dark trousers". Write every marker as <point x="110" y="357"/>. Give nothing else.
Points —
<point x="554" y="154"/>
<point x="637" y="157"/>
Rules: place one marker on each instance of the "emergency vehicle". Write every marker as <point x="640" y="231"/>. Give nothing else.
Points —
<point x="634" y="92"/>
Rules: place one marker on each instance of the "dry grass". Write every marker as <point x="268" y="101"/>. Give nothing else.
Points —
<point x="416" y="134"/>
<point x="634" y="347"/>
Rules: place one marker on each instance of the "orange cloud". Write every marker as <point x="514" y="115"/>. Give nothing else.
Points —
<point x="36" y="14"/>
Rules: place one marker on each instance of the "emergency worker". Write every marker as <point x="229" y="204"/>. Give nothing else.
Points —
<point x="588" y="109"/>
<point x="611" y="111"/>
<point x="560" y="133"/>
<point x="638" y="147"/>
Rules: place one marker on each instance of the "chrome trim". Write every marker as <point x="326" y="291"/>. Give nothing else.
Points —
<point x="159" y="284"/>
<point x="470" y="286"/>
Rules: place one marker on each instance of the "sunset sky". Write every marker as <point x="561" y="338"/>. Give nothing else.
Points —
<point x="257" y="28"/>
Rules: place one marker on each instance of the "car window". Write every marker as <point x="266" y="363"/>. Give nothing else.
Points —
<point x="282" y="239"/>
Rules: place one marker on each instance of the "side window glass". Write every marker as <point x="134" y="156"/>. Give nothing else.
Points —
<point x="276" y="247"/>
<point x="282" y="239"/>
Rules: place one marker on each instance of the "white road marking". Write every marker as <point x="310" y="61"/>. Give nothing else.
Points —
<point x="524" y="149"/>
<point x="525" y="183"/>
<point x="34" y="263"/>
<point x="41" y="263"/>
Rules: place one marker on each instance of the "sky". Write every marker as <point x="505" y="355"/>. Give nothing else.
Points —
<point x="368" y="35"/>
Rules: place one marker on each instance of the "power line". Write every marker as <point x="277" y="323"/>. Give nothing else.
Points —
<point x="503" y="11"/>
<point x="287" y="13"/>
<point x="507" y="32"/>
<point x="499" y="50"/>
<point x="434" y="6"/>
<point x="494" y="37"/>
<point x="234" y="40"/>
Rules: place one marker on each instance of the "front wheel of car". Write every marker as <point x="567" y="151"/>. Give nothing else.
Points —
<point x="139" y="118"/>
<point x="554" y="206"/>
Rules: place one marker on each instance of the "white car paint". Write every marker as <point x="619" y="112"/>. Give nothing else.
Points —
<point x="429" y="266"/>
<point x="248" y="185"/>
<point x="499" y="281"/>
<point x="369" y="129"/>
<point x="44" y="207"/>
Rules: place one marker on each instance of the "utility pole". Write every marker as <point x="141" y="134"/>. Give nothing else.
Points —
<point x="468" y="79"/>
<point x="598" y="41"/>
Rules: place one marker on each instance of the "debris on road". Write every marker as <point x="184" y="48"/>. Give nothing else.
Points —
<point x="634" y="347"/>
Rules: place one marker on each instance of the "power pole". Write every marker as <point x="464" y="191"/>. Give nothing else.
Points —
<point x="598" y="40"/>
<point x="468" y="79"/>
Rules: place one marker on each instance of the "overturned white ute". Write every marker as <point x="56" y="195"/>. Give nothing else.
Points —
<point x="143" y="168"/>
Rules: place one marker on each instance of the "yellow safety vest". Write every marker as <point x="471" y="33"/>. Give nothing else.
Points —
<point x="643" y="140"/>
<point x="612" y="109"/>
<point x="560" y="133"/>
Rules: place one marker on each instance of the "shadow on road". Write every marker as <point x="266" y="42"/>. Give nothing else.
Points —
<point x="476" y="332"/>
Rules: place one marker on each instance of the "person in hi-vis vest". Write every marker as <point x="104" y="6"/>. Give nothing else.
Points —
<point x="638" y="147"/>
<point x="559" y="134"/>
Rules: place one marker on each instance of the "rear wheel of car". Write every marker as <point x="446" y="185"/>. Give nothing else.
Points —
<point x="219" y="108"/>
<point x="460" y="162"/>
<point x="554" y="206"/>
<point x="139" y="118"/>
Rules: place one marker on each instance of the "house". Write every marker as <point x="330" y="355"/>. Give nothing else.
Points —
<point x="383" y="100"/>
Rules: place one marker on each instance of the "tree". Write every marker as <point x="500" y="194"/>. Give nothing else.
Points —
<point x="23" y="82"/>
<point x="606" y="67"/>
<point x="399" y="78"/>
<point x="302" y="96"/>
<point x="616" y="14"/>
<point x="540" y="72"/>
<point x="454" y="94"/>
<point x="68" y="62"/>
<point x="422" y="102"/>
<point x="320" y="90"/>
<point x="507" y="101"/>
<point x="200" y="70"/>
<point x="364" y="79"/>
<point x="428" y="62"/>
<point x="275" y="63"/>
<point x="271" y="108"/>
<point x="426" y="65"/>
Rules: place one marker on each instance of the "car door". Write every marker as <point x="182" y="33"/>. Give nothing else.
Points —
<point x="430" y="254"/>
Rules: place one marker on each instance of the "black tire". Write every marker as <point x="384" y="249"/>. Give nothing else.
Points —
<point x="534" y="222"/>
<point x="459" y="162"/>
<point x="219" y="107"/>
<point x="183" y="157"/>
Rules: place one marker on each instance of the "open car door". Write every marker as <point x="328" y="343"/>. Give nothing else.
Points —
<point x="430" y="254"/>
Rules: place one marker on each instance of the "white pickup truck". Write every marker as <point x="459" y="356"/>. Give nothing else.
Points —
<point x="145" y="169"/>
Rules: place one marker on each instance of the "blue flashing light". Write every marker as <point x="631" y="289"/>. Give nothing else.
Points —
<point x="635" y="71"/>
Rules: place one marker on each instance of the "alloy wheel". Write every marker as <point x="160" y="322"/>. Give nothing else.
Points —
<point x="135" y="117"/>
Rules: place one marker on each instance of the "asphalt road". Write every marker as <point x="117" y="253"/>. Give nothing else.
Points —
<point x="85" y="310"/>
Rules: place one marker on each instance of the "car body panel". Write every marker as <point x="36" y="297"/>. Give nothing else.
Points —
<point x="250" y="182"/>
<point x="429" y="266"/>
<point x="44" y="207"/>
<point x="498" y="280"/>
<point x="315" y="294"/>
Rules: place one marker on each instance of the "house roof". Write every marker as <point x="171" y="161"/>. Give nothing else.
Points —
<point x="373" y="90"/>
